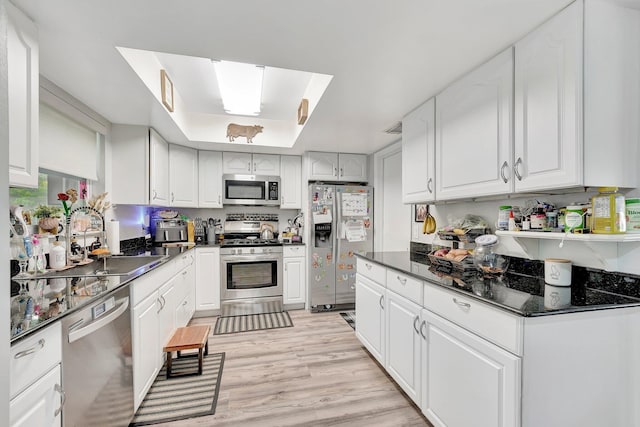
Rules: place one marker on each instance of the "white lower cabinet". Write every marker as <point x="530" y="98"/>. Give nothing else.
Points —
<point x="40" y="404"/>
<point x="169" y="300"/>
<point x="207" y="279"/>
<point x="187" y="305"/>
<point x="467" y="380"/>
<point x="370" y="327"/>
<point x="294" y="281"/>
<point x="403" y="344"/>
<point x="146" y="340"/>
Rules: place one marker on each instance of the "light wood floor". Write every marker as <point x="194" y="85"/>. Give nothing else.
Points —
<point x="314" y="374"/>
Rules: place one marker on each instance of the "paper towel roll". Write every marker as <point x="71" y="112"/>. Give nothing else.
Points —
<point x="113" y="236"/>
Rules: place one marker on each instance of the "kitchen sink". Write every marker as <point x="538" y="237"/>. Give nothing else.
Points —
<point x="111" y="266"/>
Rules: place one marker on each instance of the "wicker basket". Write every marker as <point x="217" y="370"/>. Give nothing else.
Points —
<point x="444" y="264"/>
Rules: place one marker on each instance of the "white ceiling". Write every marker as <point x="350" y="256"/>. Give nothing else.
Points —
<point x="387" y="57"/>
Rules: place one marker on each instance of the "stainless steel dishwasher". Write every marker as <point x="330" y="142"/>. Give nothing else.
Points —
<point x="97" y="373"/>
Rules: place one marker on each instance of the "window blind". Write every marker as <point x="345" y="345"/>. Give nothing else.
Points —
<point x="66" y="146"/>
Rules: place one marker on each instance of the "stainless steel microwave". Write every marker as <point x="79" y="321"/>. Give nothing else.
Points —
<point x="251" y="190"/>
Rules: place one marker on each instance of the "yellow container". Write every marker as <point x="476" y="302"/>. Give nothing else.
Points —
<point x="191" y="231"/>
<point x="608" y="212"/>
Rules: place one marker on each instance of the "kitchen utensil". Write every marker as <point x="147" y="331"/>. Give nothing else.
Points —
<point x="266" y="232"/>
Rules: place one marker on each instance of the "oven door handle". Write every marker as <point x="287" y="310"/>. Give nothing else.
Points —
<point x="250" y="257"/>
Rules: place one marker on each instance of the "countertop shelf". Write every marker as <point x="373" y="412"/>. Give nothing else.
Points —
<point x="607" y="238"/>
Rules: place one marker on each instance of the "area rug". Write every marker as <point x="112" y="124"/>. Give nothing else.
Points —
<point x="178" y="398"/>
<point x="350" y="318"/>
<point x="252" y="322"/>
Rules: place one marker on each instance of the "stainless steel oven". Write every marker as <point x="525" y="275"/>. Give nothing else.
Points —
<point x="251" y="280"/>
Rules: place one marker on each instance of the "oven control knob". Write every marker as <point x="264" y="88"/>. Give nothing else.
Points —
<point x="233" y="251"/>
<point x="267" y="251"/>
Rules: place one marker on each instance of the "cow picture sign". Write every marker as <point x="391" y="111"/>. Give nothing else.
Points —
<point x="234" y="131"/>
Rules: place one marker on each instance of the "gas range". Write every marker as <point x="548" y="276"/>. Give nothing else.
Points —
<point x="245" y="231"/>
<point x="242" y="242"/>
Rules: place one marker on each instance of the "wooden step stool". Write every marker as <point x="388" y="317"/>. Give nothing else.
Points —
<point x="188" y="338"/>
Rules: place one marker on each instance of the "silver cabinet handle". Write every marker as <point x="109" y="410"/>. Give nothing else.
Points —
<point x="161" y="306"/>
<point x="185" y="303"/>
<point x="516" y="169"/>
<point x="415" y="328"/>
<point x="422" y="325"/>
<point x="219" y="199"/>
<point x="184" y="273"/>
<point x="381" y="302"/>
<point x="341" y="171"/>
<point x="462" y="304"/>
<point x="368" y="266"/>
<point x="155" y="194"/>
<point x="164" y="301"/>
<point x="172" y="197"/>
<point x="63" y="398"/>
<point x="401" y="280"/>
<point x="249" y="167"/>
<point x="255" y="168"/>
<point x="429" y="186"/>
<point x="37" y="347"/>
<point x="504" y="166"/>
<point x="335" y="171"/>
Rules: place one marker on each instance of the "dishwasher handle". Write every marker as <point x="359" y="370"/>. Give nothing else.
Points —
<point x="103" y="320"/>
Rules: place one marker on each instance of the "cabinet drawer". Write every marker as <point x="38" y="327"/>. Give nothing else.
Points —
<point x="149" y="282"/>
<point x="32" y="357"/>
<point x="404" y="285"/>
<point x="372" y="271"/>
<point x="493" y="324"/>
<point x="293" y="251"/>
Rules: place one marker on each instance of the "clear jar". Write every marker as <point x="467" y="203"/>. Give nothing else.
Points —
<point x="484" y="257"/>
<point x="608" y="212"/>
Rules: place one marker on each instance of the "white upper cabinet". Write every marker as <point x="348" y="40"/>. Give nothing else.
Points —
<point x="130" y="165"/>
<point x="23" y="98"/>
<point x="251" y="164"/>
<point x="548" y="104"/>
<point x="418" y="154"/>
<point x="290" y="182"/>
<point x="473" y="132"/>
<point x="210" y="179"/>
<point x="352" y="167"/>
<point x="345" y="167"/>
<point x="183" y="176"/>
<point x="158" y="170"/>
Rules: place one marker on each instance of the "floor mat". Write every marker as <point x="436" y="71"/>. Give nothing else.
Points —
<point x="182" y="397"/>
<point x="350" y="318"/>
<point x="252" y="322"/>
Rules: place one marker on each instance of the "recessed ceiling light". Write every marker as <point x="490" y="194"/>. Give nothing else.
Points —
<point x="240" y="86"/>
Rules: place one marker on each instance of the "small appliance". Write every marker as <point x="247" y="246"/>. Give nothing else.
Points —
<point x="251" y="190"/>
<point x="169" y="230"/>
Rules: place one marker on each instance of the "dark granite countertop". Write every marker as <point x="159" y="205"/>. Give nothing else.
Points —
<point x="516" y="292"/>
<point x="38" y="302"/>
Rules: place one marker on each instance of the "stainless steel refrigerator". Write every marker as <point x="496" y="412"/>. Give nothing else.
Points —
<point x="341" y="225"/>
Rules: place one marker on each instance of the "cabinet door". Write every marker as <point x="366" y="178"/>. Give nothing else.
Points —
<point x="158" y="170"/>
<point x="370" y="325"/>
<point x="146" y="346"/>
<point x="236" y="163"/>
<point x="170" y="298"/>
<point x="474" y="132"/>
<point x="323" y="166"/>
<point x="352" y="167"/>
<point x="207" y="279"/>
<point x="183" y="176"/>
<point x="266" y="164"/>
<point x="548" y="104"/>
<point x="290" y="182"/>
<point x="209" y="179"/>
<point x="40" y="404"/>
<point x="130" y="151"/>
<point x="418" y="154"/>
<point x="403" y="346"/>
<point x="23" y="98"/>
<point x="294" y="282"/>
<point x="462" y="367"/>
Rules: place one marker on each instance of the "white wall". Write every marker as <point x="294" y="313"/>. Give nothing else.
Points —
<point x="4" y="207"/>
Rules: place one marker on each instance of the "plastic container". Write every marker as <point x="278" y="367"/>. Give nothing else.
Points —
<point x="633" y="215"/>
<point x="503" y="217"/>
<point x="57" y="255"/>
<point x="573" y="218"/>
<point x="609" y="216"/>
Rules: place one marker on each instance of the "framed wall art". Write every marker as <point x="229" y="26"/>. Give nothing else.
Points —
<point x="167" y="90"/>
<point x="420" y="212"/>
